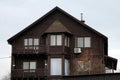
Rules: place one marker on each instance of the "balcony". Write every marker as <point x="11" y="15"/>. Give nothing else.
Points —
<point x="20" y="73"/>
<point x="30" y="50"/>
<point x="41" y="50"/>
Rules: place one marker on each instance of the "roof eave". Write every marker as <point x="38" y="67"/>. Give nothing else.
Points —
<point x="19" y="33"/>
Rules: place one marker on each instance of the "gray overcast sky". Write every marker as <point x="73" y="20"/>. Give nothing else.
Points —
<point x="15" y="15"/>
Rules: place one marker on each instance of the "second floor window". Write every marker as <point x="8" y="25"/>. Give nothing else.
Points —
<point x="83" y="42"/>
<point x="31" y="43"/>
<point x="67" y="41"/>
<point x="29" y="66"/>
<point x="56" y="40"/>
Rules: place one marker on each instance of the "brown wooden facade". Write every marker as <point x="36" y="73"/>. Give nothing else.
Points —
<point x="58" y="22"/>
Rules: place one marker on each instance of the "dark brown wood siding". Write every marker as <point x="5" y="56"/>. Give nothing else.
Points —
<point x="94" y="54"/>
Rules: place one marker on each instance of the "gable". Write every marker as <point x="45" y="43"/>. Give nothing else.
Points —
<point x="57" y="26"/>
<point x="52" y="27"/>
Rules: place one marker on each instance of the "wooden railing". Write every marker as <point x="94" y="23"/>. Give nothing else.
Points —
<point x="29" y="73"/>
<point x="29" y="50"/>
<point x="41" y="49"/>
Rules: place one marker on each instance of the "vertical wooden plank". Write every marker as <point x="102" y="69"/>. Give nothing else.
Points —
<point x="48" y="73"/>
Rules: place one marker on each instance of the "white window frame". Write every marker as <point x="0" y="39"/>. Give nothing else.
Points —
<point x="87" y="42"/>
<point x="36" y="41"/>
<point x="29" y="66"/>
<point x="80" y="42"/>
<point x="54" y="40"/>
<point x="31" y="43"/>
<point x="83" y="42"/>
<point x="59" y="40"/>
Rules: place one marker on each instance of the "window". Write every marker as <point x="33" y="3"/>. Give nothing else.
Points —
<point x="79" y="42"/>
<point x="83" y="42"/>
<point x="52" y="39"/>
<point x="107" y="70"/>
<point x="67" y="43"/>
<point x="56" y="40"/>
<point x="87" y="41"/>
<point x="36" y="41"/>
<point x="59" y="40"/>
<point x="56" y="66"/>
<point x="25" y="42"/>
<point x="84" y="66"/>
<point x="67" y="71"/>
<point x="29" y="66"/>
<point x="31" y="43"/>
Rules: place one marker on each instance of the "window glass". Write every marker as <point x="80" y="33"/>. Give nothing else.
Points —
<point x="52" y="39"/>
<point x="25" y="42"/>
<point x="29" y="66"/>
<point x="56" y="66"/>
<point x="32" y="65"/>
<point x="87" y="42"/>
<point x="36" y="41"/>
<point x="56" y="40"/>
<point x="83" y="42"/>
<point x="80" y="42"/>
<point x="25" y="65"/>
<point x="30" y="41"/>
<point x="59" y="39"/>
<point x="66" y="67"/>
<point x="65" y="41"/>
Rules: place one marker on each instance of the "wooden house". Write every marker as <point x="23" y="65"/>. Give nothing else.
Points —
<point x="58" y="45"/>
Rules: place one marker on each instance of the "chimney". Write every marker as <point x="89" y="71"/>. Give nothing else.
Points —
<point x="82" y="18"/>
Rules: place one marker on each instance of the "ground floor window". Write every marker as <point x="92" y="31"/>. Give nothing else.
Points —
<point x="56" y="66"/>
<point x="84" y="66"/>
<point x="29" y="66"/>
<point x="107" y="70"/>
<point x="67" y="65"/>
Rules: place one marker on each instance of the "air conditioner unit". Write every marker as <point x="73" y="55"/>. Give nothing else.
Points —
<point x="77" y="50"/>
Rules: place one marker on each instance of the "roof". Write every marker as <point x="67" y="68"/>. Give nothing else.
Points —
<point x="57" y="26"/>
<point x="110" y="62"/>
<point x="100" y="76"/>
<point x="49" y="13"/>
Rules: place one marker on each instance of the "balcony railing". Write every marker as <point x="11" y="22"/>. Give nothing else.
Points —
<point x="29" y="50"/>
<point x="29" y="73"/>
<point x="41" y="49"/>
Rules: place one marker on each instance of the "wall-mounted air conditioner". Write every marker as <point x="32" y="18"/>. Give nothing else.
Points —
<point x="77" y="50"/>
